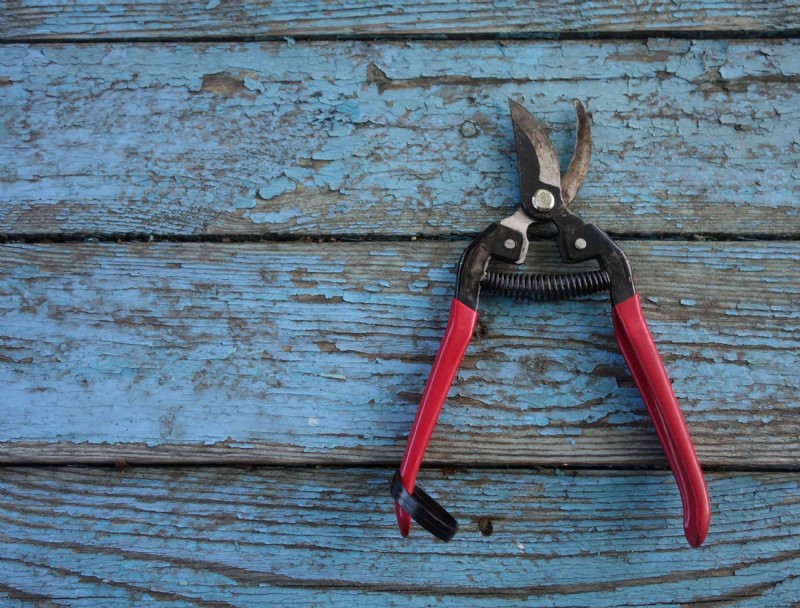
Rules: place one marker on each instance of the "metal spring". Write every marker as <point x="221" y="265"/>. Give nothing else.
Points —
<point x="546" y="286"/>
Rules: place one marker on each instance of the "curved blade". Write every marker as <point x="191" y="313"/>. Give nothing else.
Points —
<point x="536" y="159"/>
<point x="579" y="165"/>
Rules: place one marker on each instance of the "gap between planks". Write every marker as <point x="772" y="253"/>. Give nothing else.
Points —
<point x="122" y="464"/>
<point x="739" y="35"/>
<point x="536" y="234"/>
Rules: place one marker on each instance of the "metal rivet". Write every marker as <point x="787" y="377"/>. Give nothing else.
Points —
<point x="510" y="244"/>
<point x="543" y="200"/>
<point x="580" y="244"/>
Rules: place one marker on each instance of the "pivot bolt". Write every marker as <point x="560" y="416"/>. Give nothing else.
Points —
<point x="543" y="200"/>
<point x="510" y="244"/>
<point x="580" y="244"/>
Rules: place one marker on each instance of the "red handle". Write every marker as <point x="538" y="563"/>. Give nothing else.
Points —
<point x="460" y="326"/>
<point x="641" y="355"/>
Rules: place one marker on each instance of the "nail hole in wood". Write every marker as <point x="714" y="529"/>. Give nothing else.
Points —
<point x="485" y="526"/>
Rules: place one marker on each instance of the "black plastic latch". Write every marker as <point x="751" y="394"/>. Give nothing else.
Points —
<point x="424" y="510"/>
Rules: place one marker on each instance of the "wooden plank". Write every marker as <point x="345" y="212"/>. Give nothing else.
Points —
<point x="392" y="138"/>
<point x="299" y="352"/>
<point x="306" y="537"/>
<point x="161" y="20"/>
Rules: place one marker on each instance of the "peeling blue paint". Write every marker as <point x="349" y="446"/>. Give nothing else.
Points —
<point x="389" y="157"/>
<point x="276" y="187"/>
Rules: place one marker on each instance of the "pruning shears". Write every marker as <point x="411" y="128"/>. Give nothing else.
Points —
<point x="545" y="196"/>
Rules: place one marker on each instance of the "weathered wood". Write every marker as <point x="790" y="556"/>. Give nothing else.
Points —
<point x="161" y="20"/>
<point x="306" y="537"/>
<point x="395" y="138"/>
<point x="302" y="352"/>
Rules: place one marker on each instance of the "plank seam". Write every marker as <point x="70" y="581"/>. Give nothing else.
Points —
<point x="144" y="237"/>
<point x="450" y="468"/>
<point x="788" y="33"/>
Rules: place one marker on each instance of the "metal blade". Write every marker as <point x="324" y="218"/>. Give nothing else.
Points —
<point x="579" y="165"/>
<point x="536" y="159"/>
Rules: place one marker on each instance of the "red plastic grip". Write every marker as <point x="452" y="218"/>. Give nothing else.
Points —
<point x="460" y="326"/>
<point x="640" y="353"/>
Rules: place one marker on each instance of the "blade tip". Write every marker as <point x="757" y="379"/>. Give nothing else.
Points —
<point x="518" y="113"/>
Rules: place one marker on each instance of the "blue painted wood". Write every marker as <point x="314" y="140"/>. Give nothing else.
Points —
<point x="120" y="19"/>
<point x="316" y="352"/>
<point x="327" y="537"/>
<point x="307" y="352"/>
<point x="355" y="138"/>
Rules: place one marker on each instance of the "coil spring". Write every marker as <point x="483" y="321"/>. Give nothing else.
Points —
<point x="546" y="286"/>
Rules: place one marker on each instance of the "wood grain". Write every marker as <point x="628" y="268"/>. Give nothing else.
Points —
<point x="327" y="537"/>
<point x="359" y="139"/>
<point x="311" y="353"/>
<point x="161" y="20"/>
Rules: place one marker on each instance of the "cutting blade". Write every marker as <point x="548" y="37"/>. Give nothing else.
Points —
<point x="579" y="165"/>
<point x="536" y="158"/>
